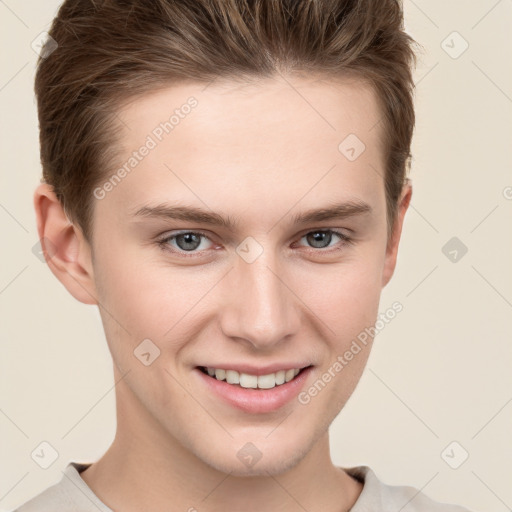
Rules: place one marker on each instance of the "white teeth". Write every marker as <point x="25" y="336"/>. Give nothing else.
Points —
<point x="232" y="377"/>
<point x="246" y="380"/>
<point x="267" y="381"/>
<point x="289" y="375"/>
<point x="220" y="374"/>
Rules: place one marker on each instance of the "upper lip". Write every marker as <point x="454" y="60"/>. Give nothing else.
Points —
<point x="258" y="370"/>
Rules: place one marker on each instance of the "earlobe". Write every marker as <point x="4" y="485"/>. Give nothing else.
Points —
<point x="65" y="249"/>
<point x="393" y="243"/>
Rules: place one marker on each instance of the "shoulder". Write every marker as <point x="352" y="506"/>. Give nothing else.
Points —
<point x="70" y="493"/>
<point x="377" y="495"/>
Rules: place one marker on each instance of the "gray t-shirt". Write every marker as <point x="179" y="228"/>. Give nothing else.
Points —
<point x="71" y="494"/>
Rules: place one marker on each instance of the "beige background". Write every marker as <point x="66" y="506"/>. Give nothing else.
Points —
<point x="440" y="372"/>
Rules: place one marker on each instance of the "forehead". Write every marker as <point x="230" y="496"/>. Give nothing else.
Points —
<point x="259" y="108"/>
<point x="272" y="138"/>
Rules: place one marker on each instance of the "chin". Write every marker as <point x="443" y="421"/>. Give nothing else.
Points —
<point x="261" y="456"/>
<point x="274" y="465"/>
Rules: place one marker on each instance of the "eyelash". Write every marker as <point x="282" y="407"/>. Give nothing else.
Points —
<point x="163" y="242"/>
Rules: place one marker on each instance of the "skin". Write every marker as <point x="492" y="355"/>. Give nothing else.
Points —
<point x="261" y="153"/>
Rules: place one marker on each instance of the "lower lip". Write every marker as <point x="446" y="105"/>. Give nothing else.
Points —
<point x="256" y="401"/>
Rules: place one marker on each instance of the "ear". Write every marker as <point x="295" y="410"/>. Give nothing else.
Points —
<point x="64" y="247"/>
<point x="394" y="239"/>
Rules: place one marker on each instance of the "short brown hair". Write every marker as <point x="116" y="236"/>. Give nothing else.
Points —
<point x="112" y="50"/>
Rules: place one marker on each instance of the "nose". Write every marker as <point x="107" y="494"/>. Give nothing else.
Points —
<point x="259" y="307"/>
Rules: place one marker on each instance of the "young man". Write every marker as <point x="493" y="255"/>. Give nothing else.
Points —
<point x="225" y="180"/>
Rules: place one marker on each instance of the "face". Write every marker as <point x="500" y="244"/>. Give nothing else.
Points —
<point x="243" y="239"/>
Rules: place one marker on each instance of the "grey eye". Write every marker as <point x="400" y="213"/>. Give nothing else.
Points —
<point x="319" y="239"/>
<point x="188" y="241"/>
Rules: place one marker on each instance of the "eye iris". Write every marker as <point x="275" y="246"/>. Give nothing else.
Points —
<point x="319" y="237"/>
<point x="191" y="241"/>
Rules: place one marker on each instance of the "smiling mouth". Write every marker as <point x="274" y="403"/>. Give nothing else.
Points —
<point x="248" y="381"/>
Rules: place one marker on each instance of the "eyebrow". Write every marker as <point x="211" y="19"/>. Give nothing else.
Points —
<point x="337" y="211"/>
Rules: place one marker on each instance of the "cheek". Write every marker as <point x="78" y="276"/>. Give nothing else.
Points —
<point x="345" y="296"/>
<point x="147" y="296"/>
<point x="348" y="305"/>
